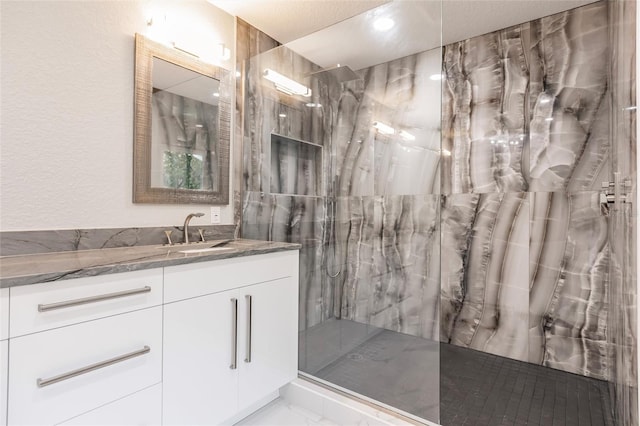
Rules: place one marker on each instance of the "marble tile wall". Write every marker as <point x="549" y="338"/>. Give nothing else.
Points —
<point x="375" y="190"/>
<point x="524" y="241"/>
<point x="500" y="226"/>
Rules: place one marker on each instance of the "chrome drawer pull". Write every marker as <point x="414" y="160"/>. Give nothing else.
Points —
<point x="249" y="306"/>
<point x="234" y="334"/>
<point x="85" y="300"/>
<point x="46" y="382"/>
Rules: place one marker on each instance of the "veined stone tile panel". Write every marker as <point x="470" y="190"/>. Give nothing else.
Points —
<point x="484" y="295"/>
<point x="569" y="283"/>
<point x="297" y="219"/>
<point x="390" y="246"/>
<point x="401" y="95"/>
<point x="569" y="115"/>
<point x="484" y="120"/>
<point x="526" y="109"/>
<point x="269" y="111"/>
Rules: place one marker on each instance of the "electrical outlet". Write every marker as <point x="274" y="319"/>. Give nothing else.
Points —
<point x="215" y="215"/>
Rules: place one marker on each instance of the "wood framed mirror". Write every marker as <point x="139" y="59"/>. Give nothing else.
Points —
<point x="182" y="114"/>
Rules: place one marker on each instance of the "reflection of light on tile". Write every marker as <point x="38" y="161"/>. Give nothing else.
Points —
<point x="383" y="24"/>
<point x="216" y="94"/>
<point x="436" y="77"/>
<point x="446" y="153"/>
<point x="383" y="128"/>
<point x="313" y="105"/>
<point x="199" y="125"/>
<point x="282" y="115"/>
<point x="406" y="135"/>
<point x="630" y="108"/>
<point x="548" y="119"/>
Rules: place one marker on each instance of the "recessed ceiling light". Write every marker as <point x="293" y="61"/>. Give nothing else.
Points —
<point x="435" y="77"/>
<point x="383" y="24"/>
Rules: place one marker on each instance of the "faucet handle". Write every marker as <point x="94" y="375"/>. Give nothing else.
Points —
<point x="201" y="232"/>
<point x="168" y="234"/>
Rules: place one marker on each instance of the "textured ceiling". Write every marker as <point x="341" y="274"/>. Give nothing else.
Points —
<point x="330" y="32"/>
<point x="287" y="20"/>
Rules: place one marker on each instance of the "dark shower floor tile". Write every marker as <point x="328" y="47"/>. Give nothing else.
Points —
<point x="483" y="389"/>
<point x="462" y="387"/>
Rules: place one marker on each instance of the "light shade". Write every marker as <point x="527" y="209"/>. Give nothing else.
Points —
<point x="285" y="84"/>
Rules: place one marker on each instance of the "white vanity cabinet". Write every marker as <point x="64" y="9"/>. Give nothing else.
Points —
<point x="4" y="353"/>
<point x="230" y="336"/>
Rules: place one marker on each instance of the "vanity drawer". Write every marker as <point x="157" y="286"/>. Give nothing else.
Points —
<point x="197" y="279"/>
<point x="43" y="388"/>
<point x="45" y="306"/>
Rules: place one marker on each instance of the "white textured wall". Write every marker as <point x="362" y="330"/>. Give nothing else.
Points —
<point x="66" y="142"/>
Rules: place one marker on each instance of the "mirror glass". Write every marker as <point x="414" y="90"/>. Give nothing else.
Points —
<point x="182" y="127"/>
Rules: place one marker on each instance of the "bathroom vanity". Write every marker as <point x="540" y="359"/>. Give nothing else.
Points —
<point x="179" y="338"/>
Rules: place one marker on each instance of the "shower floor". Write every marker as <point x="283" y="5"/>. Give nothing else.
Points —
<point x="460" y="386"/>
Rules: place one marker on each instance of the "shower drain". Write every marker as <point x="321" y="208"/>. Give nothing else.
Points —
<point x="355" y="357"/>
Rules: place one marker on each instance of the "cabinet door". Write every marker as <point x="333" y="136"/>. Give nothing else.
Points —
<point x="4" y="386"/>
<point x="199" y="387"/>
<point x="273" y="331"/>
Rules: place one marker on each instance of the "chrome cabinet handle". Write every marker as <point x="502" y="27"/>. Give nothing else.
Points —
<point x="234" y="334"/>
<point x="248" y="357"/>
<point x="46" y="382"/>
<point x="92" y="299"/>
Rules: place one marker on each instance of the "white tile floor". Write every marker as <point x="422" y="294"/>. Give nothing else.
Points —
<point x="282" y="413"/>
<point x="302" y="403"/>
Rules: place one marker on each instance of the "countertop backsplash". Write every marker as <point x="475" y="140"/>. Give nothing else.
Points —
<point x="15" y="243"/>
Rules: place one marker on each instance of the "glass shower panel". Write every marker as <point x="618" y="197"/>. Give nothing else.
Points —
<point x="528" y="247"/>
<point x="366" y="139"/>
<point x="621" y="200"/>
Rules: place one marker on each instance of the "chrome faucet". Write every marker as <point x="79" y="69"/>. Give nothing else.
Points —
<point x="186" y="225"/>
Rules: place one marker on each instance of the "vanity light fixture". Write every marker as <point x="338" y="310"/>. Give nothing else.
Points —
<point x="383" y="24"/>
<point x="384" y="129"/>
<point x="285" y="84"/>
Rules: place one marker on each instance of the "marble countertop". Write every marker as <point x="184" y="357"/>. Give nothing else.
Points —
<point x="47" y="267"/>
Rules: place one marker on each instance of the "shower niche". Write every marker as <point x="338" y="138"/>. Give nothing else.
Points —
<point x="296" y="166"/>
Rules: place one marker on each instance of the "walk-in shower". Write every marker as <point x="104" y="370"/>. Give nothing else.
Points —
<point x="462" y="261"/>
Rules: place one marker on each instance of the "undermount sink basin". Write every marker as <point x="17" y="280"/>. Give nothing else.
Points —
<point x="204" y="250"/>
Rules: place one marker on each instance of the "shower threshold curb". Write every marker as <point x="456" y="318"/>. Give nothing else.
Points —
<point x="343" y="406"/>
